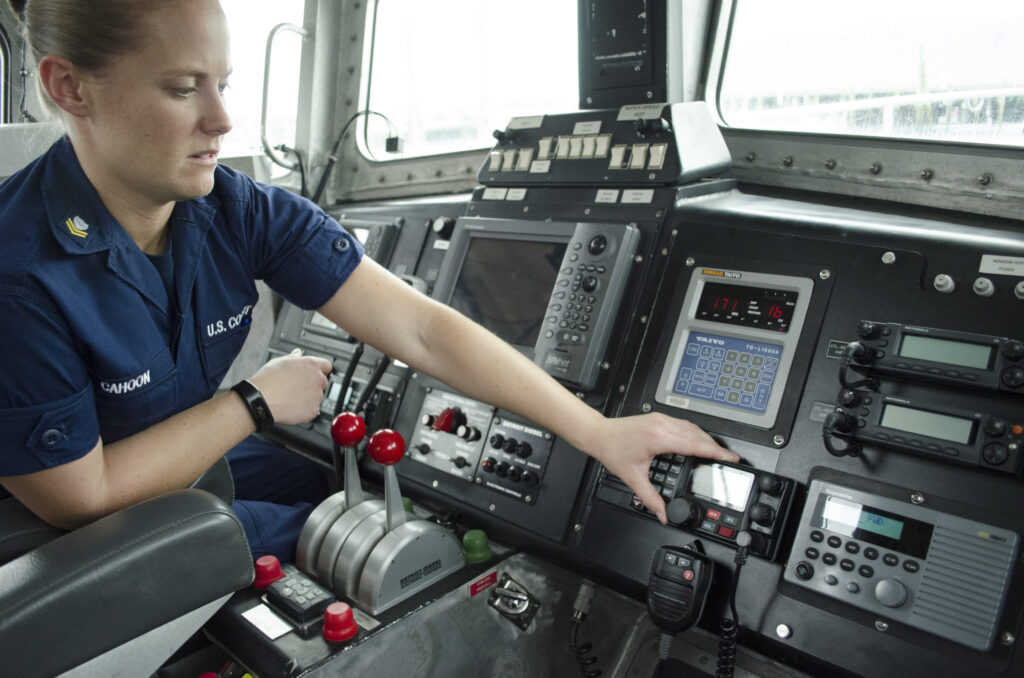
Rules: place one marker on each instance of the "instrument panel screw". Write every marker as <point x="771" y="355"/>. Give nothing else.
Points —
<point x="984" y="179"/>
<point x="637" y="259"/>
<point x="577" y="527"/>
<point x="927" y="174"/>
<point x="876" y="168"/>
<point x="779" y="440"/>
<point x="824" y="274"/>
<point x="547" y="436"/>
<point x="429" y="388"/>
<point x="881" y="625"/>
<point x="889" y="258"/>
<point x="491" y="507"/>
<point x="646" y="407"/>
<point x="664" y="251"/>
<point x="690" y="262"/>
<point x="916" y="498"/>
<point x="434" y="484"/>
<point x="830" y="164"/>
<point x="783" y="631"/>
<point x="1007" y="638"/>
<point x="622" y="388"/>
<point x="605" y="366"/>
<point x="788" y="161"/>
<point x="643" y="320"/>
<point x="528" y="499"/>
<point x="586" y="211"/>
<point x="750" y="156"/>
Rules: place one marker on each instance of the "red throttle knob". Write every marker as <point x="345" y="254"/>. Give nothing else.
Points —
<point x="348" y="429"/>
<point x="386" y="447"/>
<point x="268" y="570"/>
<point x="339" y="623"/>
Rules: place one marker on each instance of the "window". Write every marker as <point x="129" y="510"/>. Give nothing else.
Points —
<point x="921" y="69"/>
<point x="5" y="78"/>
<point x="447" y="73"/>
<point x="249" y="23"/>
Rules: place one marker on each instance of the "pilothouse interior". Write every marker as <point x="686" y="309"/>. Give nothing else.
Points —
<point x="776" y="220"/>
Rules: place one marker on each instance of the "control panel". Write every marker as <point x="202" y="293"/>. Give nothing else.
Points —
<point x="926" y="568"/>
<point x="649" y="144"/>
<point x="714" y="500"/>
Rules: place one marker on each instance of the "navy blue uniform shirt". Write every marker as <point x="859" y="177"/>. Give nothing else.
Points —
<point x="92" y="344"/>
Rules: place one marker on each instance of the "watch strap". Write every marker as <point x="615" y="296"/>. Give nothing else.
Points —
<point x="257" y="406"/>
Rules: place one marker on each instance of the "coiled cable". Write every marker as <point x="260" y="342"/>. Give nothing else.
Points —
<point x="729" y="628"/>
<point x="580" y="651"/>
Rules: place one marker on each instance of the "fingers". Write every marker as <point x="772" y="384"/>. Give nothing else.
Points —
<point x="652" y="500"/>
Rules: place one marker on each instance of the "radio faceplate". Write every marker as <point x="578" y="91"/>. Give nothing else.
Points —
<point x="927" y="354"/>
<point x="934" y="571"/>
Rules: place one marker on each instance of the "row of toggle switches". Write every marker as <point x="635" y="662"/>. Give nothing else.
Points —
<point x="622" y="156"/>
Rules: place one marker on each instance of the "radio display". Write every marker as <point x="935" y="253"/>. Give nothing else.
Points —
<point x="762" y="307"/>
<point x="873" y="525"/>
<point x="945" y="351"/>
<point x="724" y="485"/>
<point x="921" y="422"/>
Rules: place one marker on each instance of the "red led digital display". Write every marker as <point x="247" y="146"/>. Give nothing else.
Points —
<point x="761" y="307"/>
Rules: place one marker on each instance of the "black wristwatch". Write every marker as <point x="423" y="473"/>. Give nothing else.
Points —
<point x="258" y="408"/>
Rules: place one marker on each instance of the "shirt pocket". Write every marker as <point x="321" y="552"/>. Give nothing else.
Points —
<point x="126" y="405"/>
<point x="220" y="344"/>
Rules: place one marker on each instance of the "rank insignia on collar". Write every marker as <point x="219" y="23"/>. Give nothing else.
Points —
<point x="77" y="226"/>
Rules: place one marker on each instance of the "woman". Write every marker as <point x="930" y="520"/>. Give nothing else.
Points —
<point x="127" y="282"/>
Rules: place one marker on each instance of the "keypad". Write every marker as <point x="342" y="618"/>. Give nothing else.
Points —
<point x="731" y="371"/>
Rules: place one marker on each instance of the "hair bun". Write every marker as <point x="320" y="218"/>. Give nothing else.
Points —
<point x="18" y="7"/>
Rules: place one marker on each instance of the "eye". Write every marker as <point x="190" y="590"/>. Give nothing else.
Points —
<point x="182" y="92"/>
<point x="223" y="87"/>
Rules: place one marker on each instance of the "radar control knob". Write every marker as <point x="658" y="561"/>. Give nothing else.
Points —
<point x="496" y="441"/>
<point x="994" y="427"/>
<point x="589" y="284"/>
<point x="501" y="468"/>
<point x="422" y="448"/>
<point x="762" y="514"/>
<point x="891" y="592"/>
<point x="524" y="450"/>
<point x="849" y="398"/>
<point x="682" y="512"/>
<point x="460" y="462"/>
<point x="443" y="227"/>
<point x="468" y="433"/>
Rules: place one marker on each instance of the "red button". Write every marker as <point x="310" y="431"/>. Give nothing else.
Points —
<point x="339" y="623"/>
<point x="726" y="532"/>
<point x="713" y="514"/>
<point x="687" y="575"/>
<point x="268" y="570"/>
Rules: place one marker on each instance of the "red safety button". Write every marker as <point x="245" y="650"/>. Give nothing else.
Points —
<point x="688" y="575"/>
<point x="726" y="532"/>
<point x="713" y="514"/>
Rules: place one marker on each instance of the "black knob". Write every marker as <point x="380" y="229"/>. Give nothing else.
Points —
<point x="682" y="512"/>
<point x="995" y="454"/>
<point x="428" y="419"/>
<point x="762" y="514"/>
<point x="526" y="478"/>
<point x="443" y="227"/>
<point x="504" y="137"/>
<point x="488" y="464"/>
<point x="860" y="353"/>
<point x="1013" y="377"/>
<point x="422" y="448"/>
<point x="497" y="440"/>
<point x="589" y="284"/>
<point x="868" y="330"/>
<point x="849" y="398"/>
<point x="804" y="570"/>
<point x="524" y="450"/>
<point x="769" y="484"/>
<point x="510" y="445"/>
<point x="1013" y="350"/>
<point x="514" y="473"/>
<point x="501" y="468"/>
<point x="758" y="542"/>
<point x="466" y="432"/>
<point x="460" y="462"/>
<point x="994" y="427"/>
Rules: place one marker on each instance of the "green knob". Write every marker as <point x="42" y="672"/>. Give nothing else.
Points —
<point x="407" y="504"/>
<point x="474" y="543"/>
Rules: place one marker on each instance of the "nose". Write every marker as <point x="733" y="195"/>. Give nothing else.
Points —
<point x="215" y="120"/>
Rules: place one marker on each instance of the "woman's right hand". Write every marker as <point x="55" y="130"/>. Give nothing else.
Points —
<point x="293" y="386"/>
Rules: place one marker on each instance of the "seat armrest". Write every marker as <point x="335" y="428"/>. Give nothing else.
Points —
<point x="97" y="587"/>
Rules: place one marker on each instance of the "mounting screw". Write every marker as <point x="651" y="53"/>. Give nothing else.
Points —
<point x="830" y="164"/>
<point x="1006" y="638"/>
<point x="881" y="625"/>
<point x="927" y="174"/>
<point x="690" y="262"/>
<point x="577" y="527"/>
<point x="916" y="498"/>
<point x="889" y="258"/>
<point x="491" y="507"/>
<point x="605" y="366"/>
<point x="788" y="161"/>
<point x="876" y="168"/>
<point x="528" y="499"/>
<point x="650" y="94"/>
<point x="646" y="407"/>
<point x="622" y="388"/>
<point x="547" y="436"/>
<point x="984" y="179"/>
<point x="643" y="320"/>
<point x="586" y="211"/>
<point x="526" y="208"/>
<point x="779" y="440"/>
<point x="638" y="258"/>
<point x="750" y="156"/>
<point x="824" y="274"/>
<point x="783" y="631"/>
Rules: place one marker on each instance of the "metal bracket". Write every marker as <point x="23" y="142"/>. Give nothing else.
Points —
<point x="513" y="601"/>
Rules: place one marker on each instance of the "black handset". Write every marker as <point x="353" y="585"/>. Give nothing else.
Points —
<point x="678" y="587"/>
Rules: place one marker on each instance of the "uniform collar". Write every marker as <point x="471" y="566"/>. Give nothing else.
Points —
<point x="81" y="223"/>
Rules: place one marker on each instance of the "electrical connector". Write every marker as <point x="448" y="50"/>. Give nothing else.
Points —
<point x="394" y="144"/>
<point x="581" y="606"/>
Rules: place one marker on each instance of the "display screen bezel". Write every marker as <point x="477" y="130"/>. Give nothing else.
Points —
<point x="915" y="346"/>
<point x="891" y="410"/>
<point x="914" y="539"/>
<point x="734" y="484"/>
<point x="748" y="294"/>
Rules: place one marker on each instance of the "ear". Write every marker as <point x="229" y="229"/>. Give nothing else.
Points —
<point x="62" y="83"/>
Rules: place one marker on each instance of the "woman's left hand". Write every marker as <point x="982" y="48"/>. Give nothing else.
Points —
<point x="626" y="447"/>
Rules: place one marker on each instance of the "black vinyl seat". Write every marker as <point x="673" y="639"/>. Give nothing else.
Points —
<point x="119" y="596"/>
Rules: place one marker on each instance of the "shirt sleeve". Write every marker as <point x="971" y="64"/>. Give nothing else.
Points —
<point x="302" y="253"/>
<point x="47" y="406"/>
